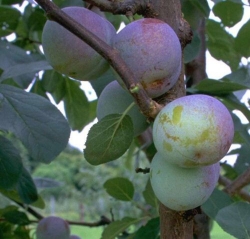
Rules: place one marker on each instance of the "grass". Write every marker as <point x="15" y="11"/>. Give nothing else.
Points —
<point x="95" y="233"/>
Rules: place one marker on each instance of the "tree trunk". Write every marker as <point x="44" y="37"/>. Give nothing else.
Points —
<point x="172" y="224"/>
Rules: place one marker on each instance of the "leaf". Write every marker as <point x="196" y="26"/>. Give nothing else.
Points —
<point x="242" y="163"/>
<point x="229" y="12"/>
<point x="233" y="103"/>
<point x="35" y="121"/>
<point x="26" y="188"/>
<point x="10" y="164"/>
<point x="120" y="188"/>
<point x="192" y="49"/>
<point x="54" y="83"/>
<point x="242" y="40"/>
<point x="217" y="87"/>
<point x="8" y="24"/>
<point x="24" y="68"/>
<point x="150" y="230"/>
<point x="76" y="105"/>
<point x="202" y="6"/>
<point x="234" y="219"/>
<point x="12" y="55"/>
<point x="149" y="195"/>
<point x="117" y="227"/>
<point x="109" y="139"/>
<point x="215" y="202"/>
<point x="221" y="44"/>
<point x="240" y="76"/>
<point x="16" y="217"/>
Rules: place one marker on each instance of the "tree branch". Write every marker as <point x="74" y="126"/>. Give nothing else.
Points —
<point x="148" y="107"/>
<point x="240" y="182"/>
<point x="142" y="7"/>
<point x="242" y="193"/>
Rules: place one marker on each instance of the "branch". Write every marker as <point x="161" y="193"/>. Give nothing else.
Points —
<point x="142" y="7"/>
<point x="240" y="182"/>
<point x="148" y="107"/>
<point x="242" y="193"/>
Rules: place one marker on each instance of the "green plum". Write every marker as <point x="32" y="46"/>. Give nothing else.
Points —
<point x="115" y="100"/>
<point x="68" y="54"/>
<point x="193" y="130"/>
<point x="181" y="188"/>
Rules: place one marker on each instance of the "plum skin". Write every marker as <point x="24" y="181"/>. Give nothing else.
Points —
<point x="181" y="188"/>
<point x="53" y="228"/>
<point x="152" y="50"/>
<point x="68" y="54"/>
<point x="193" y="130"/>
<point x="74" y="237"/>
<point x="115" y="100"/>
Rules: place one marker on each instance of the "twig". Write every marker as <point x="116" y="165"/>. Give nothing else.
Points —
<point x="142" y="170"/>
<point x="148" y="107"/>
<point x="240" y="182"/>
<point x="30" y="210"/>
<point x="242" y="193"/>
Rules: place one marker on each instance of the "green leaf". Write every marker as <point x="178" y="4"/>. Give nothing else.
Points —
<point x="76" y="105"/>
<point x="242" y="162"/>
<point x="117" y="227"/>
<point x="229" y="12"/>
<point x="192" y="49"/>
<point x="24" y="68"/>
<point x="240" y="76"/>
<point x="35" y="121"/>
<point x="218" y="87"/>
<point x="8" y="24"/>
<point x="54" y="83"/>
<point x="202" y="6"/>
<point x="233" y="103"/>
<point x="10" y="164"/>
<point x="109" y="139"/>
<point x="234" y="219"/>
<point x="16" y="217"/>
<point x="120" y="188"/>
<point x="150" y="230"/>
<point x="12" y="55"/>
<point x="149" y="195"/>
<point x="26" y="188"/>
<point x="221" y="44"/>
<point x="242" y="40"/>
<point x="215" y="202"/>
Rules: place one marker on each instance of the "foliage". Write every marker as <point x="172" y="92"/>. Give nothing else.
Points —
<point x="29" y="90"/>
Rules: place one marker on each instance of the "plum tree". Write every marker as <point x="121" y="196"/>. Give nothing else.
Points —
<point x="115" y="100"/>
<point x="193" y="130"/>
<point x="71" y="56"/>
<point x="152" y="50"/>
<point x="181" y="188"/>
<point x="52" y="228"/>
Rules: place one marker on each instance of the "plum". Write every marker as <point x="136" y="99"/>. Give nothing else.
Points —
<point x="193" y="131"/>
<point x="115" y="100"/>
<point x="180" y="188"/>
<point x="152" y="50"/>
<point x="68" y="54"/>
<point x="52" y="228"/>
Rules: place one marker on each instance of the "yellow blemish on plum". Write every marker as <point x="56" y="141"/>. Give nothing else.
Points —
<point x="174" y="138"/>
<point x="164" y="118"/>
<point x="177" y="114"/>
<point x="167" y="146"/>
<point x="199" y="139"/>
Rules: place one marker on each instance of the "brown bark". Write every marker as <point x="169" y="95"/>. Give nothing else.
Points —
<point x="172" y="224"/>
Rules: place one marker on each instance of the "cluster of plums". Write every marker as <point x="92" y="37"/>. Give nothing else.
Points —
<point x="54" y="228"/>
<point x="191" y="134"/>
